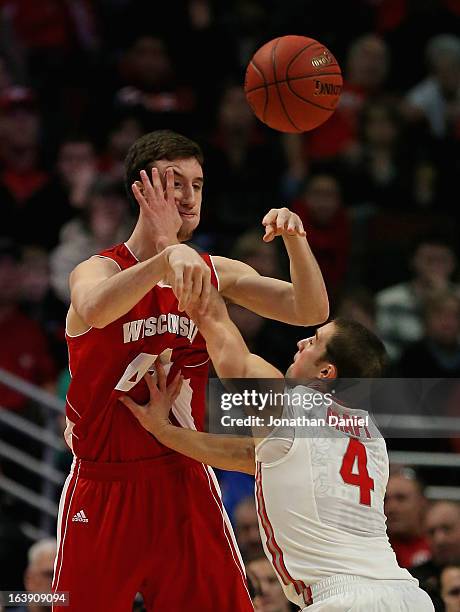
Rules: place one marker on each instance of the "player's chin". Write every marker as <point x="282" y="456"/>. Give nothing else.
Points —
<point x="187" y="228"/>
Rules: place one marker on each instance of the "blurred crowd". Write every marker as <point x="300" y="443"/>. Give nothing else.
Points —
<point x="375" y="185"/>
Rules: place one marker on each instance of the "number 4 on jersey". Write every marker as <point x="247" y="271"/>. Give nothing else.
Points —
<point x="357" y="451"/>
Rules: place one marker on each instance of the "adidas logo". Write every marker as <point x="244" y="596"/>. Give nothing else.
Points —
<point x="80" y="517"/>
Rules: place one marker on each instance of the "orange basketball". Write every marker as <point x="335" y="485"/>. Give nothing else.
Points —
<point x="293" y="83"/>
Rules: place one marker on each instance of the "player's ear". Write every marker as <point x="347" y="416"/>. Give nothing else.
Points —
<point x="328" y="370"/>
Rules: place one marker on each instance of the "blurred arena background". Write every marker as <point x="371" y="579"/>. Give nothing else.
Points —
<point x="376" y="187"/>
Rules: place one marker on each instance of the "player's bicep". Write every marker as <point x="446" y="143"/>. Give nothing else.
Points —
<point x="85" y="278"/>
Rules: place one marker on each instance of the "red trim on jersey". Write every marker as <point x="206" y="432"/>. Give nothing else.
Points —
<point x="272" y="545"/>
<point x="228" y="534"/>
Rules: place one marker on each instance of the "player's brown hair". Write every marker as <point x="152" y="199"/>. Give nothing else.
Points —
<point x="161" y="144"/>
<point x="355" y="351"/>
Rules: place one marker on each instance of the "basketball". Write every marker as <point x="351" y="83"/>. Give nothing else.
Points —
<point x="293" y="83"/>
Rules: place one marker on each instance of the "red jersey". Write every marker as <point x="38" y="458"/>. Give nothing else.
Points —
<point x="107" y="363"/>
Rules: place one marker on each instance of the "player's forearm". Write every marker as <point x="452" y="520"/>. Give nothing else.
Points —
<point x="308" y="299"/>
<point x="225" y="345"/>
<point x="115" y="296"/>
<point x="221" y="452"/>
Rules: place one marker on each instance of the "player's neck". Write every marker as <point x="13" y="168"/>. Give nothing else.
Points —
<point x="143" y="245"/>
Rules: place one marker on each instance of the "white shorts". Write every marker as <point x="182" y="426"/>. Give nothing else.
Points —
<point x="356" y="594"/>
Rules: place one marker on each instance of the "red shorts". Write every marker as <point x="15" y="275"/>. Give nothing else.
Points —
<point x="156" y="527"/>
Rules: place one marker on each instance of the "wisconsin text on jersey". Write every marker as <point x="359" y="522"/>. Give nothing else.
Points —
<point x="152" y="326"/>
<point x="355" y="425"/>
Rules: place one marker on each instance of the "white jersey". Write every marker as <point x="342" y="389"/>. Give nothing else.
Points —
<point x="320" y="503"/>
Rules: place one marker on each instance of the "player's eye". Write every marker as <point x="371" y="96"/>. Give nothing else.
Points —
<point x="197" y="187"/>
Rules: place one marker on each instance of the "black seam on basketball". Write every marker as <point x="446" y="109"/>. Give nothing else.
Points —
<point x="309" y="101"/>
<point x="310" y="76"/>
<point x="278" y="91"/>
<point x="315" y="42"/>
<point x="264" y="86"/>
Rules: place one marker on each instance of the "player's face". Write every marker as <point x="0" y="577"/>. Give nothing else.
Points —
<point x="308" y="361"/>
<point x="188" y="191"/>
<point x="450" y="589"/>
<point x="271" y="597"/>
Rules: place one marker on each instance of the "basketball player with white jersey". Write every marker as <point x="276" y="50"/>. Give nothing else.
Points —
<point x="319" y="495"/>
<point x="134" y="515"/>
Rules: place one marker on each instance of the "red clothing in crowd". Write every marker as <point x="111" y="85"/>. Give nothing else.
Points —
<point x="330" y="243"/>
<point x="411" y="552"/>
<point x="24" y="353"/>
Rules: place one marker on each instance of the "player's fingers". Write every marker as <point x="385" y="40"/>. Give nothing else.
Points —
<point x="139" y="196"/>
<point x="153" y="389"/>
<point x="178" y="286"/>
<point x="157" y="185"/>
<point x="176" y="389"/>
<point x="206" y="292"/>
<point x="161" y="375"/>
<point x="270" y="216"/>
<point x="269" y="233"/>
<point x="149" y="193"/>
<point x="282" y="218"/>
<point x="170" y="186"/>
<point x="292" y="224"/>
<point x="197" y="286"/>
<point x="129" y="403"/>
<point x="187" y="288"/>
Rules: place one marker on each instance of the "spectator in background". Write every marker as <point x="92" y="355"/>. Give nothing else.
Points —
<point x="436" y="100"/>
<point x="399" y="308"/>
<point x="104" y="223"/>
<point x="269" y="596"/>
<point x="241" y="151"/>
<point x="376" y="170"/>
<point x="358" y="304"/>
<point x="150" y="84"/>
<point x="437" y="353"/>
<point x="405" y="508"/>
<point x="124" y="131"/>
<point x="23" y="181"/>
<point x="367" y="66"/>
<point x="442" y="525"/>
<point x="76" y="167"/>
<point x="40" y="303"/>
<point x="39" y="573"/>
<point x="247" y="528"/>
<point x="450" y="588"/>
<point x="25" y="351"/>
<point x="328" y="227"/>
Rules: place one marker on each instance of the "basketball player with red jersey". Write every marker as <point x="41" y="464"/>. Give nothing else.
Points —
<point x="134" y="515"/>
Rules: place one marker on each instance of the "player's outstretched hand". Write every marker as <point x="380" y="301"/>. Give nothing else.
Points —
<point x="155" y="414"/>
<point x="158" y="206"/>
<point x="282" y="222"/>
<point x="189" y="277"/>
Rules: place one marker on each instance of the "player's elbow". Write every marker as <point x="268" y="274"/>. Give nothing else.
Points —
<point x="92" y="315"/>
<point x="317" y="313"/>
